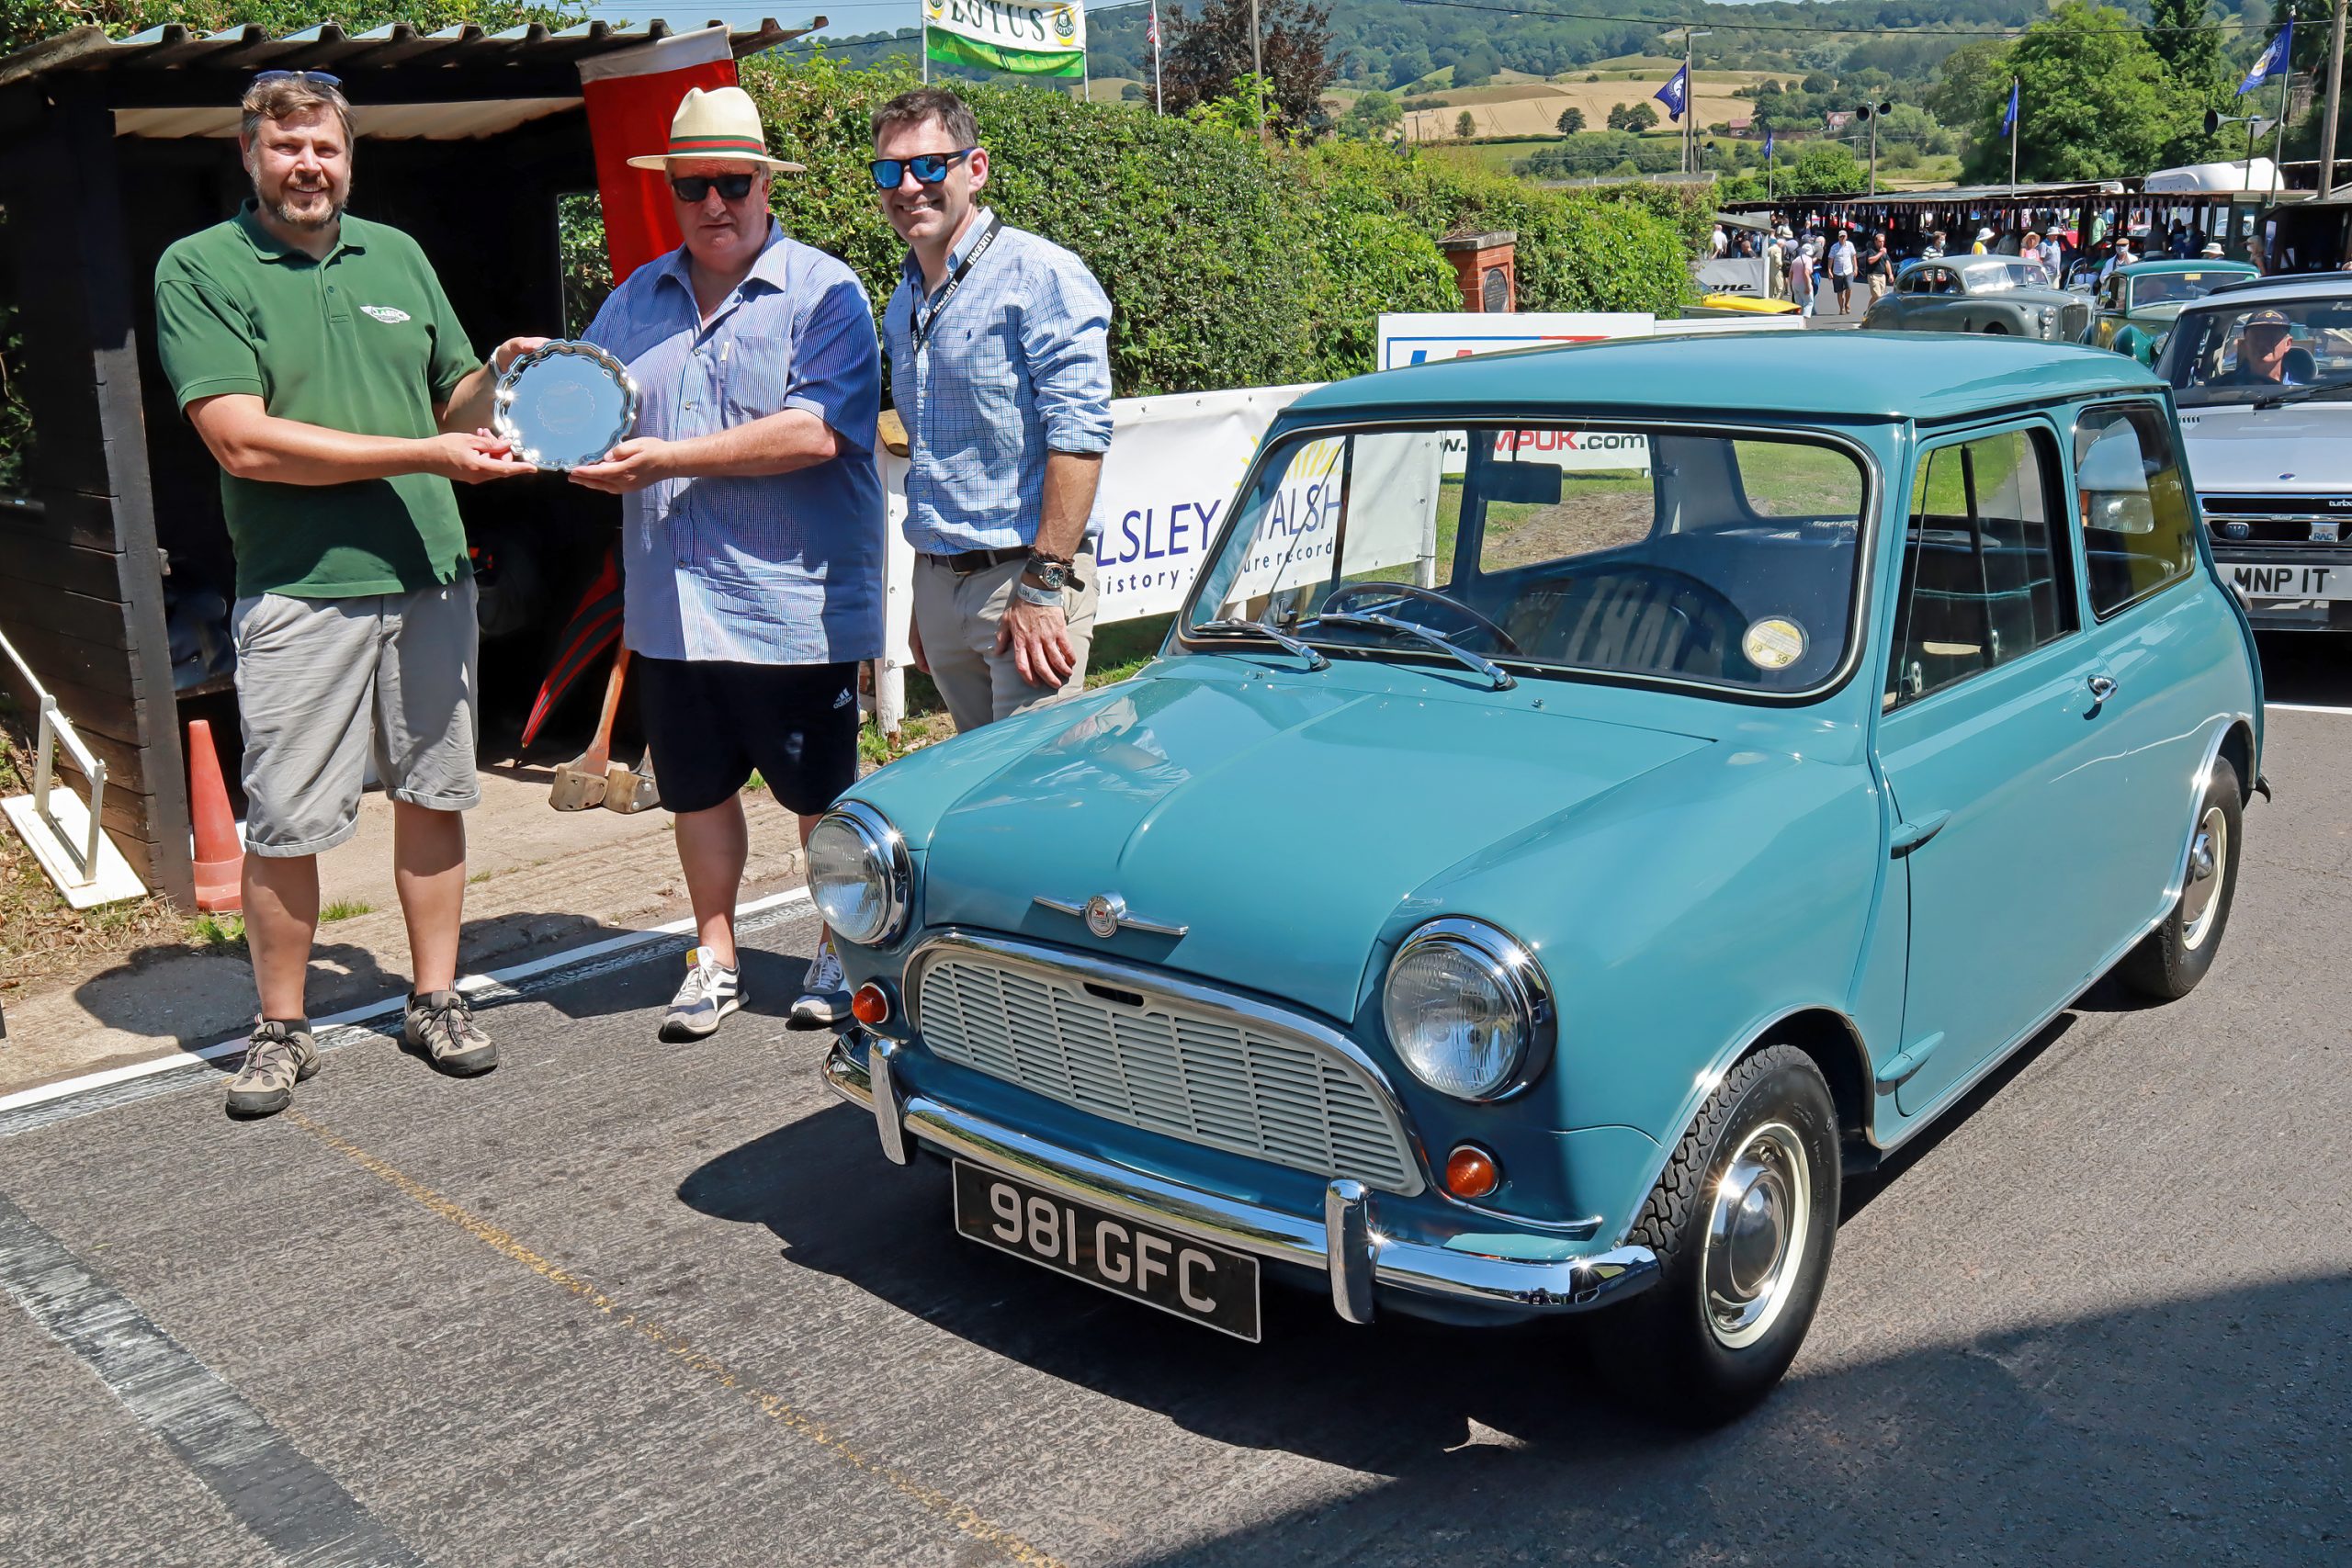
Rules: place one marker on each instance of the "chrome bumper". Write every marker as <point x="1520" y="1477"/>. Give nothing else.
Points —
<point x="1345" y="1243"/>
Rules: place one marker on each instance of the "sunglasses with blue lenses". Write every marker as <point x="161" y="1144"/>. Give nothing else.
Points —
<point x="694" y="188"/>
<point x="321" y="78"/>
<point x="928" y="168"/>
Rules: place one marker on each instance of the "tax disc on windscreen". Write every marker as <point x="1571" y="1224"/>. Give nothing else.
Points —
<point x="1773" y="643"/>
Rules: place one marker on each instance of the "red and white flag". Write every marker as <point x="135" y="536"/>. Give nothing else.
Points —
<point x="1151" y="32"/>
<point x="631" y="95"/>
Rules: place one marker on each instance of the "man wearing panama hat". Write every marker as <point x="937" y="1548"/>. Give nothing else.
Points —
<point x="752" y="532"/>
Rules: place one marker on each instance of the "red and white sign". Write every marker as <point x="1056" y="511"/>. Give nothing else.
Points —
<point x="631" y="96"/>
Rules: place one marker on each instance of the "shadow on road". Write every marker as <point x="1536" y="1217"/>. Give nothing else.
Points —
<point x="2209" y="1427"/>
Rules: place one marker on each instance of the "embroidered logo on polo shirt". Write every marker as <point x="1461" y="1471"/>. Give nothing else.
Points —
<point x="389" y="314"/>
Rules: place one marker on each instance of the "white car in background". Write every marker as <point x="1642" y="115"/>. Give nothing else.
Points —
<point x="2272" y="460"/>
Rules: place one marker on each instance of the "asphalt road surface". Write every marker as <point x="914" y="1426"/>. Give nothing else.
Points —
<point x="624" y="1304"/>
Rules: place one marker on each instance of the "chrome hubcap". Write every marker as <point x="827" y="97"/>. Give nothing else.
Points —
<point x="2207" y="855"/>
<point x="1756" y="1234"/>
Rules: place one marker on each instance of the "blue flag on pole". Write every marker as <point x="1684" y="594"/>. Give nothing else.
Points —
<point x="1767" y="141"/>
<point x="2009" y="121"/>
<point x="2273" y="61"/>
<point x="1676" y="94"/>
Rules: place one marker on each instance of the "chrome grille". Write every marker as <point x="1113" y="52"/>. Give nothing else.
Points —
<point x="1166" y="1065"/>
<point x="2077" y="320"/>
<point x="2279" y="519"/>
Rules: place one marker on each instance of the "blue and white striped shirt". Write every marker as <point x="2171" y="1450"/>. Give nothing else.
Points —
<point x="1019" y="365"/>
<point x="785" y="569"/>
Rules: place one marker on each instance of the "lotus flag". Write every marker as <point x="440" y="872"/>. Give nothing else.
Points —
<point x="1043" y="38"/>
<point x="2009" y="121"/>
<point x="2273" y="61"/>
<point x="1676" y="94"/>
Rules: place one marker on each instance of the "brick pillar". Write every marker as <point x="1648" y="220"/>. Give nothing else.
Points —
<point x="1484" y="265"/>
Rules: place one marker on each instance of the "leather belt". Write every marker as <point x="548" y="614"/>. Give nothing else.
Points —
<point x="965" y="563"/>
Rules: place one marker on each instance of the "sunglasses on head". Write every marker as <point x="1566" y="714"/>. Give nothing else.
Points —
<point x="321" y="78"/>
<point x="694" y="188"/>
<point x="928" y="168"/>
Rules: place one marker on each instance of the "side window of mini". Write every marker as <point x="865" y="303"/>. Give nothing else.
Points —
<point x="2139" y="532"/>
<point x="1986" y="575"/>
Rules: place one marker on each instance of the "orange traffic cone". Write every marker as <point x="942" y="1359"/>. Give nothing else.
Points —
<point x="219" y="854"/>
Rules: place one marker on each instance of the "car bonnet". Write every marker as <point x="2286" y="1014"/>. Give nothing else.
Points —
<point x="1281" y="819"/>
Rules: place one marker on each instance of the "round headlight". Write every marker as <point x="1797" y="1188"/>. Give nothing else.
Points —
<point x="1468" y="1009"/>
<point x="858" y="873"/>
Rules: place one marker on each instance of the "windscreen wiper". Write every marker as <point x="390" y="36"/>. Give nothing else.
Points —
<point x="2297" y="394"/>
<point x="1260" y="631"/>
<point x="1494" y="673"/>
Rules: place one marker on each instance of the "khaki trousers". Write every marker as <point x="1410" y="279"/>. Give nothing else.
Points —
<point x="957" y="618"/>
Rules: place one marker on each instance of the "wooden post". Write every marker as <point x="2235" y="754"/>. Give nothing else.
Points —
<point x="94" y="630"/>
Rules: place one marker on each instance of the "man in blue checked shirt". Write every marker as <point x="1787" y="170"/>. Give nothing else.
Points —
<point x="752" y="524"/>
<point x="999" y="365"/>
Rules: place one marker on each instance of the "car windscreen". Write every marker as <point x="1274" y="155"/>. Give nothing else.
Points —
<point x="1991" y="276"/>
<point x="1730" y="560"/>
<point x="2173" y="287"/>
<point x="2252" y="348"/>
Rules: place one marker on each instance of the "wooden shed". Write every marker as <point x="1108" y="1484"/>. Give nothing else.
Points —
<point x="112" y="148"/>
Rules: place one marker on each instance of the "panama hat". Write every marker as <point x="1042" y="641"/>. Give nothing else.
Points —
<point x="719" y="122"/>
<point x="2212" y="248"/>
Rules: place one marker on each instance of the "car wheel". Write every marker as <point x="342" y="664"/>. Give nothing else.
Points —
<point x="2170" y="961"/>
<point x="1742" y="1219"/>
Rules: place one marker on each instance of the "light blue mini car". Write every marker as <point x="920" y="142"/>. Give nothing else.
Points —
<point x="1595" y="799"/>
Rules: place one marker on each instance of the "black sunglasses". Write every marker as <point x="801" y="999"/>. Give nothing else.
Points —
<point x="319" y="76"/>
<point x="929" y="168"/>
<point x="694" y="188"/>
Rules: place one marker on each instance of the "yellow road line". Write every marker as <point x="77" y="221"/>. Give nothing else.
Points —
<point x="961" y="1514"/>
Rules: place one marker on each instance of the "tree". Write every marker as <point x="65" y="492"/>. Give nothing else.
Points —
<point x="1822" y="168"/>
<point x="1207" y="54"/>
<point x="1467" y="125"/>
<point x="1372" y="117"/>
<point x="1640" y="117"/>
<point x="1616" y="120"/>
<point x="1969" y="78"/>
<point x="1571" y="120"/>
<point x="2096" y="101"/>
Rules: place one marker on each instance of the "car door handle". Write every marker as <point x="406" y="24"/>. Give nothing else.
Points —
<point x="2102" y="688"/>
<point x="1909" y="836"/>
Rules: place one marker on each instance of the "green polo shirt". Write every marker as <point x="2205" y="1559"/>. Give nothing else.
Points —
<point x="364" y="341"/>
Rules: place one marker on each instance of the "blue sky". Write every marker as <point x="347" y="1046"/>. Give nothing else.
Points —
<point x="847" y="16"/>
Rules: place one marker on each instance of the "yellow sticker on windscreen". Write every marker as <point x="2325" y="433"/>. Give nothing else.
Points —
<point x="1773" y="643"/>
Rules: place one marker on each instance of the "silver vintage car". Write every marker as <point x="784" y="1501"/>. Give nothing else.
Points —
<point x="2001" y="295"/>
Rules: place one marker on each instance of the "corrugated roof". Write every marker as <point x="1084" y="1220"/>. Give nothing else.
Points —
<point x="176" y="46"/>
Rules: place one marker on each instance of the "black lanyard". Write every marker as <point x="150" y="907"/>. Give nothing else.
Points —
<point x="919" y="324"/>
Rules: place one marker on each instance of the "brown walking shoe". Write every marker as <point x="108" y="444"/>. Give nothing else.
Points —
<point x="440" y="1027"/>
<point x="277" y="1057"/>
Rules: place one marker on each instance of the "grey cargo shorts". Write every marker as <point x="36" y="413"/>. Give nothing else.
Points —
<point x="324" y="684"/>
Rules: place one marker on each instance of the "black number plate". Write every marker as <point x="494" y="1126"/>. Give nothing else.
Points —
<point x="1190" y="1279"/>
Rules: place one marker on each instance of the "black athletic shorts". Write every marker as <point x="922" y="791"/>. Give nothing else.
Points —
<point x="709" y="724"/>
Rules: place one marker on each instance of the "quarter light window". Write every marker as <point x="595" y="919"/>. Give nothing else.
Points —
<point x="2137" y="535"/>
<point x="1982" y="583"/>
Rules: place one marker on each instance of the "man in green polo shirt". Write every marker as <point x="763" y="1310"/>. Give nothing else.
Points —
<point x="319" y="359"/>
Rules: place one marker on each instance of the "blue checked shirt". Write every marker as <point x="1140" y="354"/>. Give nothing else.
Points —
<point x="1019" y="365"/>
<point x="785" y="569"/>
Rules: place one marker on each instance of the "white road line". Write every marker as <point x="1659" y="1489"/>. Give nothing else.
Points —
<point x="2303" y="707"/>
<point x="498" y="983"/>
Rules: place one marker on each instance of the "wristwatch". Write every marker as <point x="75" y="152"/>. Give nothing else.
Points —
<point x="1028" y="595"/>
<point x="1052" y="575"/>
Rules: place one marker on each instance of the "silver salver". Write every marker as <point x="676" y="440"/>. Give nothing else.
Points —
<point x="564" y="404"/>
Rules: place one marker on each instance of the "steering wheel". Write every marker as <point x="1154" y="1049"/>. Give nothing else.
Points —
<point x="1358" y="590"/>
<point x="1714" y="606"/>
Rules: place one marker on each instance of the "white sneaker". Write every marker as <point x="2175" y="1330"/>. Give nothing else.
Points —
<point x="711" y="993"/>
<point x="823" y="1003"/>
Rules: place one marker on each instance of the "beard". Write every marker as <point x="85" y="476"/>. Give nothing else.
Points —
<point x="286" y="212"/>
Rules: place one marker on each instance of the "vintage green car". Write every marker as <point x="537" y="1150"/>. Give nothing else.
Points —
<point x="2138" y="304"/>
<point x="1593" y="799"/>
